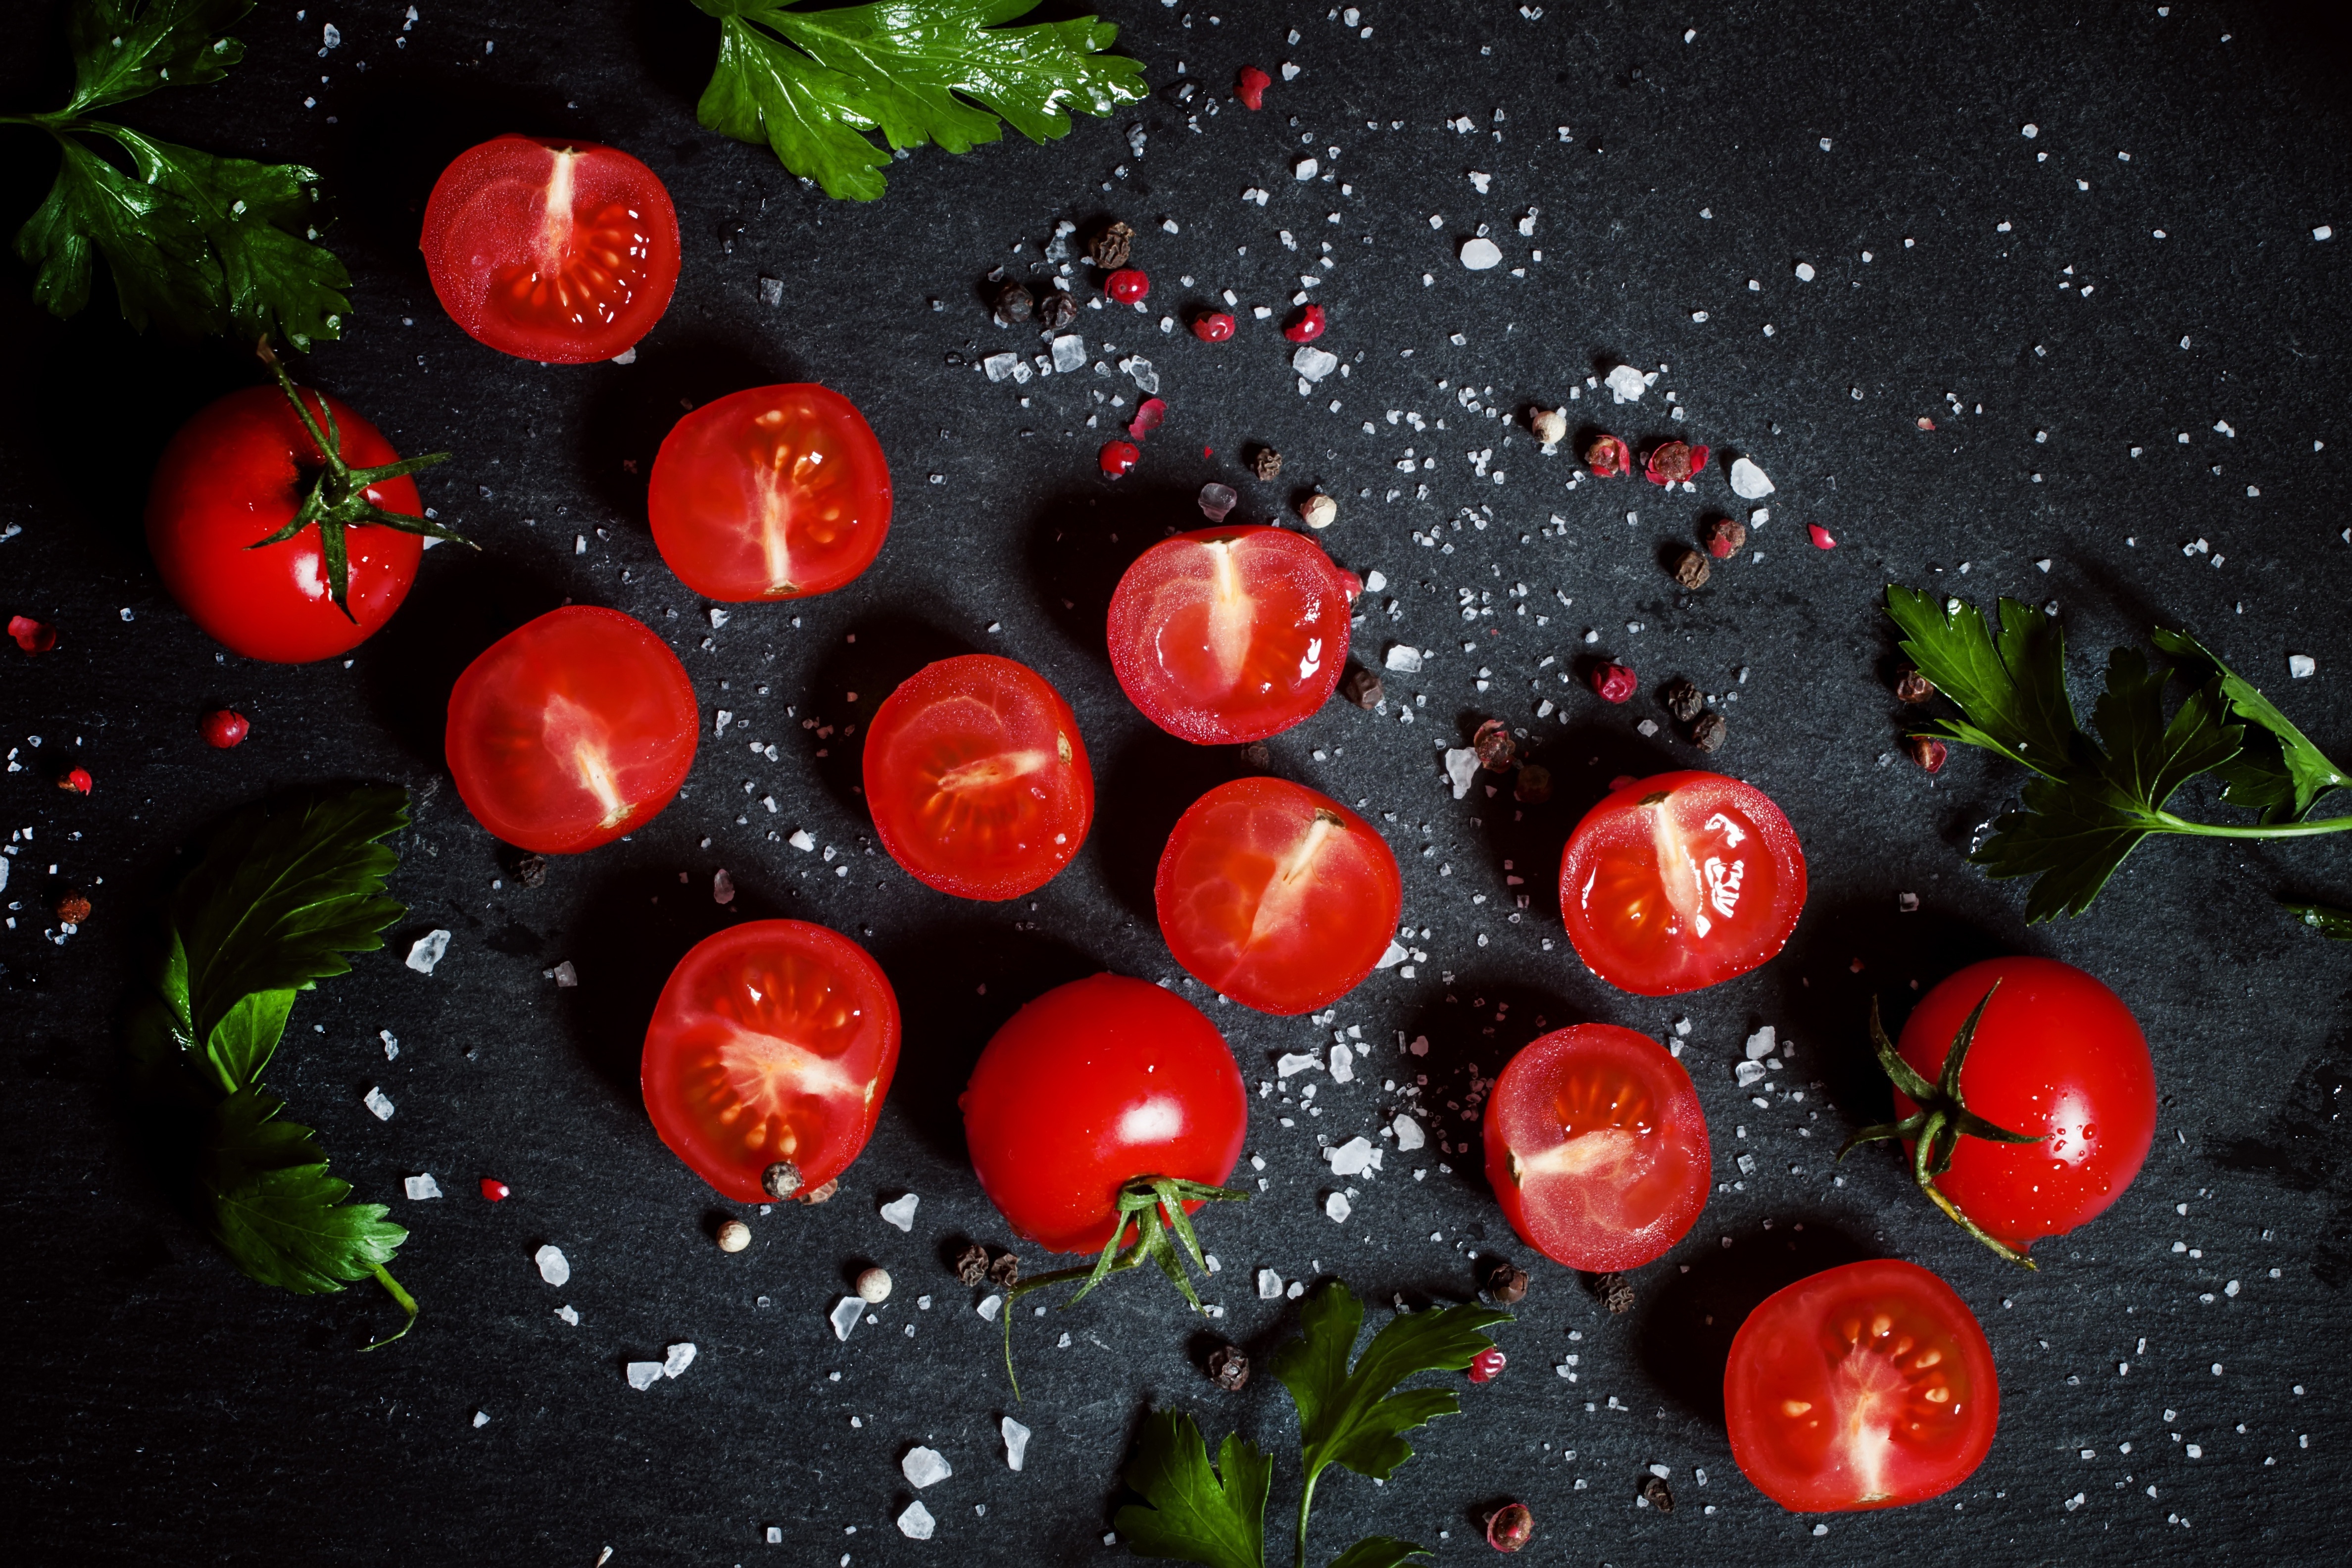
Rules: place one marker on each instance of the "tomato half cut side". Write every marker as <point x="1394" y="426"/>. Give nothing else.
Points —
<point x="772" y="1047"/>
<point x="1864" y="1386"/>
<point x="1679" y="881"/>
<point x="775" y="492"/>
<point x="1278" y="897"/>
<point x="1231" y="633"/>
<point x="571" y="729"/>
<point x="558" y="251"/>
<point x="977" y="779"/>
<point x="1596" y="1147"/>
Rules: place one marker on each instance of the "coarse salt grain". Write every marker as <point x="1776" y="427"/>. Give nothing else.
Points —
<point x="925" y="1466"/>
<point x="422" y="1187"/>
<point x="1480" y="253"/>
<point x="376" y="1101"/>
<point x="900" y="1212"/>
<point x="426" y="951"/>
<point x="554" y="1267"/>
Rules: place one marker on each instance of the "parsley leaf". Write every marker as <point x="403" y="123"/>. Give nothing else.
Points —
<point x="2280" y="773"/>
<point x="810" y="83"/>
<point x="2333" y="924"/>
<point x="126" y="48"/>
<point x="277" y="1211"/>
<point x="1196" y="1514"/>
<point x="2013" y="691"/>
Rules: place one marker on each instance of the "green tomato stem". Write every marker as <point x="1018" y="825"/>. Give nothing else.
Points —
<point x="2171" y="823"/>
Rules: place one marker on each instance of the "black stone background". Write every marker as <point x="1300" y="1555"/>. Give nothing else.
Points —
<point x="163" y="1407"/>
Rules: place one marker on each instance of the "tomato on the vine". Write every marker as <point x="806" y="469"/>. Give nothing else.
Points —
<point x="1090" y="1087"/>
<point x="1866" y="1386"/>
<point x="1596" y="1147"/>
<point x="1675" y="882"/>
<point x="768" y="1057"/>
<point x="1231" y="633"/>
<point x="551" y="250"/>
<point x="571" y="729"/>
<point x="1275" y="896"/>
<point x="774" y="492"/>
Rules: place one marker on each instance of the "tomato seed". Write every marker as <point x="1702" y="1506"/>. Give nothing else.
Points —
<point x="1925" y="751"/>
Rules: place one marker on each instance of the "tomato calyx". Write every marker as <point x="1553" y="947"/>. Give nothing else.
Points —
<point x="1942" y="1119"/>
<point x="339" y="497"/>
<point x="1153" y="1206"/>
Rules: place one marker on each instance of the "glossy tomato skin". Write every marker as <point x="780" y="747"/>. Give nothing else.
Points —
<point x="559" y="251"/>
<point x="235" y="474"/>
<point x="2057" y="1054"/>
<point x="774" y="492"/>
<point x="1596" y="1147"/>
<point x="571" y="729"/>
<point x="774" y="1040"/>
<point x="977" y="778"/>
<point x="1089" y="1086"/>
<point x="1231" y="635"/>
<point x="1275" y="896"/>
<point x="1680" y="881"/>
<point x="1864" y="1386"/>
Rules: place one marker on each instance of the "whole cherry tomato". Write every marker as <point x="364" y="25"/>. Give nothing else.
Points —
<point x="1678" y="882"/>
<point x="551" y="250"/>
<point x="768" y="1057"/>
<point x="571" y="729"/>
<point x="1866" y="1386"/>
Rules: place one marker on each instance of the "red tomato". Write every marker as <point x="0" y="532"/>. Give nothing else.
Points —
<point x="772" y="1044"/>
<point x="1678" y="882"/>
<point x="776" y="492"/>
<point x="1231" y="633"/>
<point x="571" y="729"/>
<point x="551" y="250"/>
<point x="2056" y="1055"/>
<point x="1596" y="1147"/>
<point x="235" y="474"/>
<point x="977" y="778"/>
<point x="1280" y="898"/>
<point x="1864" y="1386"/>
<point x="1091" y="1086"/>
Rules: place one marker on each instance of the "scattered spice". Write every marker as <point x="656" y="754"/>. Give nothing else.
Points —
<point x="1725" y="536"/>
<point x="75" y="781"/>
<point x="820" y="1195"/>
<point x="530" y="870"/>
<point x="1266" y="463"/>
<point x="1925" y="751"/>
<point x="72" y="907"/>
<point x="1616" y="1292"/>
<point x="733" y="1237"/>
<point x="496" y="1191"/>
<point x="32" y="635"/>
<point x="1229" y="1368"/>
<point x="1057" y="308"/>
<point x="1534" y="785"/>
<point x="1608" y="456"/>
<point x="1654" y="1490"/>
<point x="972" y="1264"/>
<point x="1305" y="324"/>
<point x="1550" y="425"/>
<point x="1613" y="682"/>
<point x="1672" y="462"/>
<point x="1250" y="86"/>
<point x="1682" y="700"/>
<point x="1691" y="569"/>
<point x="1487" y="1364"/>
<point x="1926" y="423"/>
<point x="1212" y="326"/>
<point x="1111" y="245"/>
<point x="223" y="728"/>
<point x="781" y="1179"/>
<point x="1126" y="285"/>
<point x="1510" y="1527"/>
<point x="1506" y="1281"/>
<point x="1257" y="756"/>
<point x="1149" y="414"/>
<point x="1910" y="686"/>
<point x="1319" y="510"/>
<point x="1120" y="457"/>
<point x="1822" y="537"/>
<point x="1497" y="752"/>
<point x="1005" y="1270"/>
<point x="873" y="1284"/>
<point x="1361" y="686"/>
<point x="1708" y="732"/>
<point x="1014" y="302"/>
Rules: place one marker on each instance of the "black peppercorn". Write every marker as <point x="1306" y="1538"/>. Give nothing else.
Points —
<point x="1655" y="1490"/>
<point x="1910" y="686"/>
<point x="1256" y="755"/>
<point x="972" y="1264"/>
<point x="1534" y="785"/>
<point x="1014" y="303"/>
<point x="1683" y="699"/>
<point x="1691" y="569"/>
<point x="1616" y="1292"/>
<point x="1497" y="752"/>
<point x="1229" y="1368"/>
<point x="1266" y="463"/>
<point x="1111" y="245"/>
<point x="530" y="871"/>
<point x="1506" y="1281"/>
<point x="1004" y="1271"/>
<point x="1361" y="686"/>
<point x="1724" y="535"/>
<point x="1057" y="308"/>
<point x="1708" y="732"/>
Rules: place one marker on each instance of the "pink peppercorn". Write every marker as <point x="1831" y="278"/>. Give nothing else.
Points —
<point x="494" y="1189"/>
<point x="1822" y="537"/>
<point x="1212" y="326"/>
<point x="1614" y="682"/>
<point x="1486" y="1365"/>
<point x="1126" y="285"/>
<point x="1250" y="86"/>
<point x="223" y="728"/>
<point x="1119" y="458"/>
<point x="75" y="780"/>
<point x="1306" y="325"/>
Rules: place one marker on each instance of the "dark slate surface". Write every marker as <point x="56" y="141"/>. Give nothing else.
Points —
<point x="163" y="1407"/>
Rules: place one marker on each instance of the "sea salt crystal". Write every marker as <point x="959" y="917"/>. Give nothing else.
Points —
<point x="1462" y="767"/>
<point x="677" y="1359"/>
<point x="1763" y="1043"/>
<point x="1747" y="1073"/>
<point x="1805" y="272"/>
<point x="1305" y="168"/>
<point x="722" y="888"/>
<point x="987" y="1309"/>
<point x="1337" y="1208"/>
<point x="1482" y="181"/>
<point x="1404" y="657"/>
<point x="554" y="1267"/>
<point x="1749" y="481"/>
<point x="564" y="975"/>
<point x="916" y="1523"/>
<point x="569" y="1313"/>
<point x="2323" y="232"/>
<point x="845" y="1315"/>
<point x="1397" y="953"/>
<point x="644" y="1374"/>
<point x="1343" y="1064"/>
<point x="1269" y="1285"/>
<point x="800" y="840"/>
<point x="2301" y="665"/>
<point x="422" y="1187"/>
<point x="1626" y="384"/>
<point x="1480" y="253"/>
<point x="391" y="1045"/>
<point x="1409" y="1135"/>
<point x="900" y="1212"/>
<point x="426" y="951"/>
<point x="376" y="1101"/>
<point x="1314" y="363"/>
<point x="925" y="1467"/>
<point x="1016" y="1442"/>
<point x="1069" y="353"/>
<point x="1216" y="500"/>
<point x="1293" y="1062"/>
<point x="1353" y="1158"/>
<point x="1000" y="365"/>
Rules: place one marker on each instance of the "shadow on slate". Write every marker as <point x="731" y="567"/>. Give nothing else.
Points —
<point x="2306" y="1148"/>
<point x="1153" y="778"/>
<point x="1074" y="561"/>
<point x="462" y="603"/>
<point x="676" y="46"/>
<point x="627" y="417"/>
<point x="397" y="142"/>
<point x="1687" y="1322"/>
<point x="874" y="658"/>
<point x="1465" y="1037"/>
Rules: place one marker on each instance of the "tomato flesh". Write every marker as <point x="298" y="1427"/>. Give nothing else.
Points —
<point x="774" y="1041"/>
<point x="235" y="474"/>
<point x="1676" y="882"/>
<point x="1596" y="1147"/>
<point x="1089" y="1086"/>
<point x="571" y="729"/>
<point x="1230" y="633"/>
<point x="775" y="492"/>
<point x="978" y="780"/>
<point x="1278" y="897"/>
<point x="1866" y="1386"/>
<point x="2058" y="1055"/>
<point x="558" y="251"/>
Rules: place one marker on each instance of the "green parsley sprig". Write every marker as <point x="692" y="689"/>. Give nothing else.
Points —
<point x="2094" y="800"/>
<point x="1349" y="1414"/>
<point x="811" y="84"/>
<point x="282" y="893"/>
<point x="197" y="243"/>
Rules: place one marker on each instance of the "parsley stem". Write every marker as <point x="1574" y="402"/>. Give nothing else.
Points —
<point x="407" y="1304"/>
<point x="1305" y="1501"/>
<point x="2280" y="830"/>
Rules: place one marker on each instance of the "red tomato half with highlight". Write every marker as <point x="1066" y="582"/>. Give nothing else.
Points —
<point x="777" y="492"/>
<point x="558" y="251"/>
<point x="1278" y="897"/>
<point x="571" y="729"/>
<point x="1087" y="1088"/>
<point x="2057" y="1056"/>
<point x="1681" y="880"/>
<point x="1596" y="1147"/>
<point x="1231" y="633"/>
<point x="772" y="1044"/>
<point x="1866" y="1386"/>
<point x="977" y="779"/>
<point x="235" y="474"/>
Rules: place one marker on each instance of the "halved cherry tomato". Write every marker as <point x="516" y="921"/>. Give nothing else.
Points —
<point x="772" y="1045"/>
<point x="2057" y="1055"/>
<point x="551" y="250"/>
<point x="1231" y="633"/>
<point x="1866" y="1386"/>
<point x="1596" y="1147"/>
<point x="1280" y="898"/>
<point x="775" y="492"/>
<point x="571" y="729"/>
<point x="1087" y="1088"/>
<point x="977" y="778"/>
<point x="1678" y="882"/>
